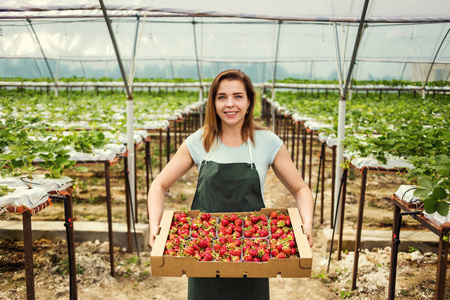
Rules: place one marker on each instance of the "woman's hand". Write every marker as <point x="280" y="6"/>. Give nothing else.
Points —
<point x="153" y="232"/>
<point x="308" y="231"/>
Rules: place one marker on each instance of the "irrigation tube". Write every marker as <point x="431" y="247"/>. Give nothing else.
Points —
<point x="130" y="110"/>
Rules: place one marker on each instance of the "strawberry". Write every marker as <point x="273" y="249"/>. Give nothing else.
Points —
<point x="286" y="250"/>
<point x="280" y="255"/>
<point x="274" y="252"/>
<point x="264" y="233"/>
<point x="281" y="217"/>
<point x="254" y="219"/>
<point x="265" y="257"/>
<point x="248" y="257"/>
<point x="208" y="256"/>
<point x="233" y="218"/>
<point x="203" y="243"/>
<point x="224" y="222"/>
<point x="189" y="251"/>
<point x="273" y="214"/>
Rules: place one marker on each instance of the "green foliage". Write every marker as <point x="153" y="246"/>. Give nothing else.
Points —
<point x="402" y="126"/>
<point x="4" y="190"/>
<point x="412" y="249"/>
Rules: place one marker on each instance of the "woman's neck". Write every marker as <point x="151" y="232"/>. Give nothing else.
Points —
<point x="231" y="136"/>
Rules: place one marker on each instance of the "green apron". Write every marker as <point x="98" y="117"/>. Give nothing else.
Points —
<point x="232" y="187"/>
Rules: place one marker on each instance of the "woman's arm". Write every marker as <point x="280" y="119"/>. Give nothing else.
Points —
<point x="288" y="174"/>
<point x="179" y="165"/>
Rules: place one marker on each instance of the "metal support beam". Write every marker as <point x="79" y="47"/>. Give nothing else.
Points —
<point x="44" y="56"/>
<point x="130" y="110"/>
<point x="342" y="99"/>
<point x="199" y="72"/>
<point x="434" y="59"/>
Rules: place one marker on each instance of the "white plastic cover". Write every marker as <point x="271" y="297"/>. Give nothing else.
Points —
<point x="323" y="10"/>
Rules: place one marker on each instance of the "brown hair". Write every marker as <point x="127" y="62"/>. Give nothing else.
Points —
<point x="212" y="126"/>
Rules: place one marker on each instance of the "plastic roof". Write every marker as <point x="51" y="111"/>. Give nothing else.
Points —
<point x="298" y="10"/>
<point x="400" y="40"/>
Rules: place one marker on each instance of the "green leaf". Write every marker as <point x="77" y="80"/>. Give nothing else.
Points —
<point x="430" y="205"/>
<point x="63" y="161"/>
<point x="442" y="208"/>
<point x="426" y="182"/>
<point x="422" y="193"/>
<point x="439" y="193"/>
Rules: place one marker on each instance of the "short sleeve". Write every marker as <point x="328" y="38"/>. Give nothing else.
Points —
<point x="194" y="142"/>
<point x="272" y="144"/>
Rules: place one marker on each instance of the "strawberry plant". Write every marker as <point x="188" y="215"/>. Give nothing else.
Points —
<point x="432" y="175"/>
<point x="4" y="190"/>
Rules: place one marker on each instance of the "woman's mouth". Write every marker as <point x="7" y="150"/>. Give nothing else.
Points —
<point x="231" y="113"/>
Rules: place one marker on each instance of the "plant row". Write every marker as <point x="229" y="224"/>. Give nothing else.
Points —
<point x="404" y="126"/>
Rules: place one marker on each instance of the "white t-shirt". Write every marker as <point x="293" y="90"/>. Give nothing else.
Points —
<point x="264" y="151"/>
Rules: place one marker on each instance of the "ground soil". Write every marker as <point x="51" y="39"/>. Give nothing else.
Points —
<point x="416" y="271"/>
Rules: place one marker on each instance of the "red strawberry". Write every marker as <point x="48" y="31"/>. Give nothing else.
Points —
<point x="208" y="256"/>
<point x="281" y="255"/>
<point x="273" y="215"/>
<point x="265" y="257"/>
<point x="238" y="222"/>
<point x="254" y="219"/>
<point x="287" y="221"/>
<point x="203" y="243"/>
<point x="233" y="217"/>
<point x="224" y="222"/>
<point x="248" y="257"/>
<point x="189" y="251"/>
<point x="264" y="233"/>
<point x="274" y="252"/>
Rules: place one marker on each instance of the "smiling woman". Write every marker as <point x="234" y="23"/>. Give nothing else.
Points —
<point x="233" y="155"/>
<point x="232" y="104"/>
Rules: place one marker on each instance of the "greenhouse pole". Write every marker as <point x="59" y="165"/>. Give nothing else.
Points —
<point x="341" y="120"/>
<point x="341" y="130"/>
<point x="45" y="57"/>
<point x="432" y="63"/>
<point x="130" y="110"/>
<point x="274" y="75"/>
<point x="200" y="92"/>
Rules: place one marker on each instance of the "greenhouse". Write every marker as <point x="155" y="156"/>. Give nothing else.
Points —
<point x="97" y="97"/>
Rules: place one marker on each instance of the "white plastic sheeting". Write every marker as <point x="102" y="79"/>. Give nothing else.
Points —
<point x="299" y="10"/>
<point x="78" y="44"/>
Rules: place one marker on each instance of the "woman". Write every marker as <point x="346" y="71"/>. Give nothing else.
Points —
<point x="233" y="155"/>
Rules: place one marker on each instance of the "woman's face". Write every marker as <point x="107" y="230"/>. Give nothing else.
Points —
<point x="231" y="102"/>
